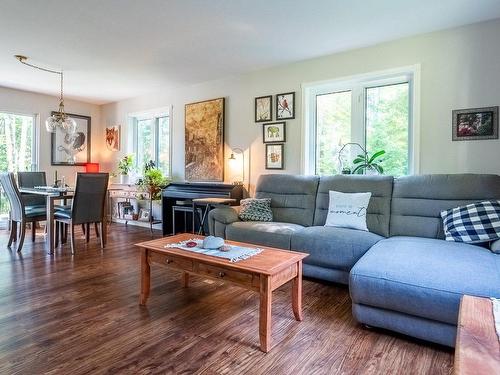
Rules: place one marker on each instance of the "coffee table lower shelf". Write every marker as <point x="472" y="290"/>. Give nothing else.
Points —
<point x="264" y="283"/>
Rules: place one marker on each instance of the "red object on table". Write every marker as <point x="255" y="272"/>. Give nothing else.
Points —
<point x="92" y="168"/>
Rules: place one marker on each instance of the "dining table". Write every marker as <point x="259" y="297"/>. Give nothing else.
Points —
<point x="51" y="195"/>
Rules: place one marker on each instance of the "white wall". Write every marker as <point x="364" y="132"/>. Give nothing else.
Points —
<point x="460" y="68"/>
<point x="42" y="105"/>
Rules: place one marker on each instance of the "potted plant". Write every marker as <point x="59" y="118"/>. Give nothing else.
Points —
<point x="124" y="167"/>
<point x="364" y="163"/>
<point x="152" y="183"/>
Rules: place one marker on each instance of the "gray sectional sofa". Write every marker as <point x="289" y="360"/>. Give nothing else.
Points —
<point x="402" y="275"/>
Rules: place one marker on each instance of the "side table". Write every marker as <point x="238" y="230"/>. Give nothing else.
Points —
<point x="209" y="203"/>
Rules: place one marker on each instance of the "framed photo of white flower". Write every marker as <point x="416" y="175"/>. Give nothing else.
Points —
<point x="285" y="106"/>
<point x="274" y="132"/>
<point x="274" y="156"/>
<point x="264" y="108"/>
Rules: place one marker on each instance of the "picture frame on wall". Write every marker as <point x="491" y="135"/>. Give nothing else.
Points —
<point x="274" y="156"/>
<point x="475" y="124"/>
<point x="113" y="138"/>
<point x="71" y="149"/>
<point x="204" y="141"/>
<point x="274" y="132"/>
<point x="264" y="108"/>
<point x="285" y="106"/>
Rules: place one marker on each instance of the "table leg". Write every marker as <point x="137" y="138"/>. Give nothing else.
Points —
<point x="145" y="277"/>
<point x="104" y="225"/>
<point x="185" y="279"/>
<point x="50" y="224"/>
<point x="265" y="313"/>
<point x="297" y="293"/>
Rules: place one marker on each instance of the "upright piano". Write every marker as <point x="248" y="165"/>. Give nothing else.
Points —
<point x="180" y="194"/>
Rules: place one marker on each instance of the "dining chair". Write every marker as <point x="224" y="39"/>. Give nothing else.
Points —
<point x="18" y="212"/>
<point x="30" y="180"/>
<point x="87" y="206"/>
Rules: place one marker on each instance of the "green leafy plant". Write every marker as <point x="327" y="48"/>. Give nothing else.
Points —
<point x="125" y="164"/>
<point x="153" y="181"/>
<point x="365" y="162"/>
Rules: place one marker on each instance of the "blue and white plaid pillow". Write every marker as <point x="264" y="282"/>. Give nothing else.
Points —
<point x="473" y="223"/>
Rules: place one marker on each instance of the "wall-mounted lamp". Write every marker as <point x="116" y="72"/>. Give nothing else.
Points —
<point x="232" y="161"/>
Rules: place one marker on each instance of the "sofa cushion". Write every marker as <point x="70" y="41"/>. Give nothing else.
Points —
<point x="293" y="198"/>
<point x="253" y="209"/>
<point x="473" y="223"/>
<point x="333" y="247"/>
<point x="347" y="210"/>
<point x="417" y="201"/>
<point x="424" y="277"/>
<point x="271" y="234"/>
<point x="377" y="218"/>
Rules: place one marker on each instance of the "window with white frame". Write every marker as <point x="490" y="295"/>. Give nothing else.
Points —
<point x="151" y="140"/>
<point x="374" y="111"/>
<point x="18" y="148"/>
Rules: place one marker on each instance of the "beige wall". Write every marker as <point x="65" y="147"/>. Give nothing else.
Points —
<point x="32" y="103"/>
<point x="460" y="68"/>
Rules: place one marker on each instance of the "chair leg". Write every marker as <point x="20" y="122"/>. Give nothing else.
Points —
<point x="64" y="235"/>
<point x="101" y="234"/>
<point x="21" y="237"/>
<point x="83" y="229"/>
<point x="13" y="232"/>
<point x="56" y="244"/>
<point x="72" y="237"/>
<point x="18" y="231"/>
<point x="96" y="226"/>
<point x="87" y="232"/>
<point x="33" y="231"/>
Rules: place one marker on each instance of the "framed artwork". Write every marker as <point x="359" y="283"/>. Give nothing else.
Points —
<point x="204" y="141"/>
<point x="274" y="156"/>
<point x="475" y="124"/>
<point x="113" y="138"/>
<point x="285" y="106"/>
<point x="274" y="132"/>
<point x="72" y="149"/>
<point x="264" y="108"/>
<point x="144" y="215"/>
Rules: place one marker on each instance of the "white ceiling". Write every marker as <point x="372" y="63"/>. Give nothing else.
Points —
<point x="116" y="49"/>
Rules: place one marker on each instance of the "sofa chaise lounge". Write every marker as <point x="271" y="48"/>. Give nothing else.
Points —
<point x="402" y="274"/>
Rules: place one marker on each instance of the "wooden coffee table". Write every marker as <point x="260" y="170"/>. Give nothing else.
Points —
<point x="477" y="350"/>
<point x="261" y="273"/>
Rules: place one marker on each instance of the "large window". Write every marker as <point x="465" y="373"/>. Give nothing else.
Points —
<point x="17" y="147"/>
<point x="151" y="140"/>
<point x="373" y="111"/>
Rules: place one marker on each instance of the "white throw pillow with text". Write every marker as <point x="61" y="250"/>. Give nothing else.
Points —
<point x="348" y="210"/>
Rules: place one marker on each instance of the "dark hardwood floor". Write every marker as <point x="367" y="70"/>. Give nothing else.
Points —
<point x="79" y="314"/>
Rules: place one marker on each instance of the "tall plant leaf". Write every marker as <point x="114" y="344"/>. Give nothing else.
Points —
<point x="376" y="155"/>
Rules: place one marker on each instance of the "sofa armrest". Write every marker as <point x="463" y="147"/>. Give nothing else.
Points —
<point x="219" y="218"/>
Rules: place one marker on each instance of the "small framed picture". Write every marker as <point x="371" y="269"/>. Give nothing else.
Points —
<point x="274" y="132"/>
<point x="143" y="215"/>
<point x="475" y="124"/>
<point x="285" y="106"/>
<point x="274" y="156"/>
<point x="113" y="138"/>
<point x="264" y="108"/>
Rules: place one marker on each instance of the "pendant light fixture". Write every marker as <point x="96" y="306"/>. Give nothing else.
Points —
<point x="60" y="118"/>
